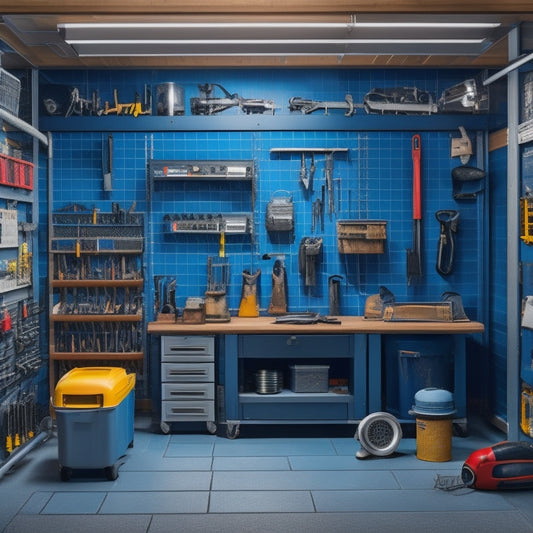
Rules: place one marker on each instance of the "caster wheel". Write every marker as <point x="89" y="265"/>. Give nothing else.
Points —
<point x="165" y="428"/>
<point x="111" y="472"/>
<point x="65" y="473"/>
<point x="460" y="430"/>
<point x="130" y="445"/>
<point x="211" y="427"/>
<point x="232" y="431"/>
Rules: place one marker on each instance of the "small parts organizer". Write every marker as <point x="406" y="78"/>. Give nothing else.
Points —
<point x="16" y="172"/>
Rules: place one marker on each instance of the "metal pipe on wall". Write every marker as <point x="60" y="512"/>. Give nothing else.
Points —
<point x="513" y="239"/>
<point x="23" y="126"/>
<point x="22" y="451"/>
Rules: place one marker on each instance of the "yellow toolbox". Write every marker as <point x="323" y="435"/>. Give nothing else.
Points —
<point x="94" y="409"/>
<point x="92" y="387"/>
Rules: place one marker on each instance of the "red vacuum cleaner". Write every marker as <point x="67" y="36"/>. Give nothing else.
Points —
<point x="504" y="466"/>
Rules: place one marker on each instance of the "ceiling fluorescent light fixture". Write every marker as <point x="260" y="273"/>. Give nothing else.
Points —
<point x="73" y="26"/>
<point x="432" y="25"/>
<point x="274" y="38"/>
<point x="133" y="42"/>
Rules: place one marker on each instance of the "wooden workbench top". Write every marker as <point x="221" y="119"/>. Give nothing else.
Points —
<point x="349" y="324"/>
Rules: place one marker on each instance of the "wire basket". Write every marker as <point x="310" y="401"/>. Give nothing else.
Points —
<point x="9" y="92"/>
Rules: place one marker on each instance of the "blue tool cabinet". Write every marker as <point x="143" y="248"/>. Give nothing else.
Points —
<point x="248" y="353"/>
<point x="353" y="350"/>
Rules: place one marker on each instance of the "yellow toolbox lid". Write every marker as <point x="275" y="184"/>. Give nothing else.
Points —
<point x="93" y="387"/>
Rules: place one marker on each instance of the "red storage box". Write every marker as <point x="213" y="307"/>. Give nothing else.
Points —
<point x="16" y="172"/>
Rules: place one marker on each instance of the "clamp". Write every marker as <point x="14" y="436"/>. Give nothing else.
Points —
<point x="449" y="224"/>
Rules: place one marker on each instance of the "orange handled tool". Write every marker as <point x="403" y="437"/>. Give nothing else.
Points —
<point x="414" y="258"/>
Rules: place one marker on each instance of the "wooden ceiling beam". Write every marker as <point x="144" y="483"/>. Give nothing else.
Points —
<point x="122" y="7"/>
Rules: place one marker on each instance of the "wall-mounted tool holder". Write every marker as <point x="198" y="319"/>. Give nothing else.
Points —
<point x="96" y="289"/>
<point x="361" y="236"/>
<point x="120" y="230"/>
<point x="20" y="353"/>
<point x="208" y="223"/>
<point x="110" y="339"/>
<point x="165" y="170"/>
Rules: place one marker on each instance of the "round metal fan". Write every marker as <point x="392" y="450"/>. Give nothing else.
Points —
<point x="379" y="434"/>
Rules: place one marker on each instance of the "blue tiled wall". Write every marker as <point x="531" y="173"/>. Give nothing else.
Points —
<point x="373" y="180"/>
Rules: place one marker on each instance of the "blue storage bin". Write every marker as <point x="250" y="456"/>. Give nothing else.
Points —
<point x="92" y="437"/>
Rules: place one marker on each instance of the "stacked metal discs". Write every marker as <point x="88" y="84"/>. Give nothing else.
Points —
<point x="268" y="381"/>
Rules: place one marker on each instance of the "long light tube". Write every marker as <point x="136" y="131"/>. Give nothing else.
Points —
<point x="288" y="25"/>
<point x="275" y="41"/>
<point x="180" y="38"/>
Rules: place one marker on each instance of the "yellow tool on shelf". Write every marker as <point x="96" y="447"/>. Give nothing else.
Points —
<point x="526" y="220"/>
<point x="222" y="245"/>
<point x="526" y="412"/>
<point x="132" y="108"/>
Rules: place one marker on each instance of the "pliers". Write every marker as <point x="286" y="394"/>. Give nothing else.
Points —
<point x="305" y="318"/>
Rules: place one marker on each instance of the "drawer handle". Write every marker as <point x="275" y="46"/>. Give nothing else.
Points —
<point x="187" y="373"/>
<point x="188" y="410"/>
<point x="188" y="349"/>
<point x="292" y="340"/>
<point x="188" y="393"/>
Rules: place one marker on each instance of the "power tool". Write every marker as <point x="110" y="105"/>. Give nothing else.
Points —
<point x="504" y="466"/>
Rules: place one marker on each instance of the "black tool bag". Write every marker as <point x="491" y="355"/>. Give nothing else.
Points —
<point x="280" y="213"/>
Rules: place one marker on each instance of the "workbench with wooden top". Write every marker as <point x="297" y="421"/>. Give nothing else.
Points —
<point x="352" y="349"/>
<point x="348" y="324"/>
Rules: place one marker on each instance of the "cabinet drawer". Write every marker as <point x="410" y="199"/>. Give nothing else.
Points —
<point x="295" y="346"/>
<point x="188" y="391"/>
<point x="188" y="372"/>
<point x="178" y="348"/>
<point x="188" y="411"/>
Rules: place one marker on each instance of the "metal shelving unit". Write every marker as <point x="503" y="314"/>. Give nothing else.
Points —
<point x="96" y="289"/>
<point x="24" y="420"/>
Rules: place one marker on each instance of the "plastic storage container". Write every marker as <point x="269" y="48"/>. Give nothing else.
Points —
<point x="309" y="378"/>
<point x="94" y="408"/>
<point x="415" y="362"/>
<point x="434" y="410"/>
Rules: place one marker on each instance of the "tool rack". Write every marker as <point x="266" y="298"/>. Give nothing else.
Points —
<point x="96" y="291"/>
<point x="21" y="363"/>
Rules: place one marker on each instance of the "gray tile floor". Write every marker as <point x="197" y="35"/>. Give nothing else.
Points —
<point x="273" y="483"/>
